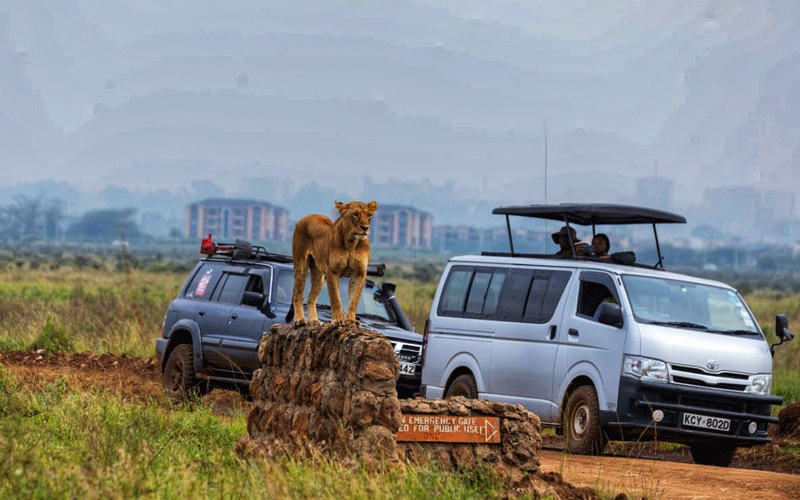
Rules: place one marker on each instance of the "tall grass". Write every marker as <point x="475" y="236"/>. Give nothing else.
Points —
<point x="74" y="310"/>
<point x="57" y="443"/>
<point x="105" y="309"/>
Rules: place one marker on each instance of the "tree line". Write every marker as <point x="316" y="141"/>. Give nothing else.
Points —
<point x="30" y="218"/>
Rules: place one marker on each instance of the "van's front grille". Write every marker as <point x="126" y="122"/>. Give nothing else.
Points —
<point x="407" y="353"/>
<point x="697" y="377"/>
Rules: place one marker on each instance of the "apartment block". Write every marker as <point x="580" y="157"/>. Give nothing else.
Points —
<point x="401" y="226"/>
<point x="233" y="218"/>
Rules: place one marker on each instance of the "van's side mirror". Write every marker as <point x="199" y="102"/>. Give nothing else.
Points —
<point x="610" y="314"/>
<point x="782" y="331"/>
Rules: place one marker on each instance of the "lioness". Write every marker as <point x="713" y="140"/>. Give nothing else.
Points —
<point x="331" y="250"/>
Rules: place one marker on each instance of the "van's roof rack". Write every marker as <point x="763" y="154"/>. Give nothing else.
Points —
<point x="244" y="250"/>
<point x="593" y="214"/>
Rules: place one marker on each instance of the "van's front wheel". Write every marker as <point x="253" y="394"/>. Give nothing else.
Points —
<point x="463" y="385"/>
<point x="582" y="423"/>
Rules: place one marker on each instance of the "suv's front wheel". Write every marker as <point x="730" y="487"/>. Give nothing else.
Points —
<point x="179" y="379"/>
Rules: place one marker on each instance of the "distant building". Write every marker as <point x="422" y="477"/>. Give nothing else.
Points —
<point x="233" y="218"/>
<point x="401" y="226"/>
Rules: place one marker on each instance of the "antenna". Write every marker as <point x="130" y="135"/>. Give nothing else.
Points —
<point x="545" y="160"/>
<point x="546" y="228"/>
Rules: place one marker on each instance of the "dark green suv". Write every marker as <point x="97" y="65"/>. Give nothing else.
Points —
<point x="232" y="298"/>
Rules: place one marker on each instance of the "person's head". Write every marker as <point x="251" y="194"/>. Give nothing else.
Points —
<point x="601" y="244"/>
<point x="561" y="238"/>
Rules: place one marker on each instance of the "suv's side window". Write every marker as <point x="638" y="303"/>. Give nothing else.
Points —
<point x="231" y="289"/>
<point x="204" y="281"/>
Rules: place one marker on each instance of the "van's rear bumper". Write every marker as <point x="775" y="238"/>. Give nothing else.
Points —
<point x="639" y="399"/>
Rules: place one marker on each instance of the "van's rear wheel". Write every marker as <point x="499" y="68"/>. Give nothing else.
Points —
<point x="717" y="454"/>
<point x="582" y="430"/>
<point x="463" y="385"/>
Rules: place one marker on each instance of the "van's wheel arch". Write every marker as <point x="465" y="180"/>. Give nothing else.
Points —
<point x="462" y="385"/>
<point x="583" y="433"/>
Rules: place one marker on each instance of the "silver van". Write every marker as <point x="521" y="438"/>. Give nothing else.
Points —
<point x="603" y="348"/>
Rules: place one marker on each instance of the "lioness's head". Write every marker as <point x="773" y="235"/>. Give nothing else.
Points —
<point x="356" y="216"/>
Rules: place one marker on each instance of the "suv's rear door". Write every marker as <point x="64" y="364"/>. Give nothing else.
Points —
<point x="246" y="325"/>
<point x="214" y="316"/>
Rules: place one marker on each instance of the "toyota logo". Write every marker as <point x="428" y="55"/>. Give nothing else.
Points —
<point x="712" y="364"/>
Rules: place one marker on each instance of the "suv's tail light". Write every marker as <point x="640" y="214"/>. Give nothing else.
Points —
<point x="425" y="340"/>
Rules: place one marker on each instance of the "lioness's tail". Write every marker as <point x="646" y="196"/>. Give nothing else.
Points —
<point x="290" y="314"/>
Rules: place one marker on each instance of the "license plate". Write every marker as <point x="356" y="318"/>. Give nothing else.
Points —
<point x="704" y="422"/>
<point x="407" y="368"/>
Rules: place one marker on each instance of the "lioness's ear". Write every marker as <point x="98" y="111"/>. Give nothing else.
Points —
<point x="341" y="207"/>
<point x="372" y="206"/>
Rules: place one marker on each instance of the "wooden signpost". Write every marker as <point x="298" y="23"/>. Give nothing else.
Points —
<point x="449" y="429"/>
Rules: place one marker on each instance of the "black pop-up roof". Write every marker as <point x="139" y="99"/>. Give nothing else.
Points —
<point x="592" y="214"/>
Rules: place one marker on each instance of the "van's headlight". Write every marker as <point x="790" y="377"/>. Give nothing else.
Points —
<point x="645" y="368"/>
<point x="760" y="384"/>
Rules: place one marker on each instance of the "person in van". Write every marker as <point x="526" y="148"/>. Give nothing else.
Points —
<point x="601" y="245"/>
<point x="562" y="239"/>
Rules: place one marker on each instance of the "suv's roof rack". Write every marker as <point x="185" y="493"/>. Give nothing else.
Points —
<point x="592" y="214"/>
<point x="244" y="250"/>
<point x="240" y="250"/>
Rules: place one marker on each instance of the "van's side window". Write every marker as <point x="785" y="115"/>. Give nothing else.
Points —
<point x="455" y="291"/>
<point x="503" y="294"/>
<point x="493" y="292"/>
<point x="514" y="294"/>
<point x="477" y="292"/>
<point x="546" y="291"/>
<point x="595" y="289"/>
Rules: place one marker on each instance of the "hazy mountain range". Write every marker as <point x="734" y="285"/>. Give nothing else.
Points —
<point x="150" y="95"/>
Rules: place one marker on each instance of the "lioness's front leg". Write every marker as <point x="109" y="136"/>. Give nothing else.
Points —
<point x="336" y="301"/>
<point x="354" y="290"/>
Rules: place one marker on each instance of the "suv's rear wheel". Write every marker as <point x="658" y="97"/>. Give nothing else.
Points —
<point x="179" y="379"/>
<point x="463" y="385"/>
<point x="582" y="423"/>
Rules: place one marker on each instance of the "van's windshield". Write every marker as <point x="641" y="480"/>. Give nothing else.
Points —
<point x="684" y="304"/>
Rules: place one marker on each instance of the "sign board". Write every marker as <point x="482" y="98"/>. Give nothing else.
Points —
<point x="449" y="429"/>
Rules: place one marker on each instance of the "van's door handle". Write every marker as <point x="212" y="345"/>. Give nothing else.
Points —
<point x="552" y="334"/>
<point x="234" y="316"/>
<point x="573" y="332"/>
<point x="201" y="313"/>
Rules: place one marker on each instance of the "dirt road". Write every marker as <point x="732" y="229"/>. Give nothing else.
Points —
<point x="771" y="472"/>
<point x="669" y="480"/>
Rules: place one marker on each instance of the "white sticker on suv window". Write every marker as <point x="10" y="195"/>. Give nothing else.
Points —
<point x="203" y="284"/>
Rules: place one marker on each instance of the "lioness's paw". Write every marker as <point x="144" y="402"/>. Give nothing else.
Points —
<point x="299" y="323"/>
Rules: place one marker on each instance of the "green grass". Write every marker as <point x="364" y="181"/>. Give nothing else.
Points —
<point x="75" y="310"/>
<point x="59" y="443"/>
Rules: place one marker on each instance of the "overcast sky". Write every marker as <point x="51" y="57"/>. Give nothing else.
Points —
<point x="675" y="88"/>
